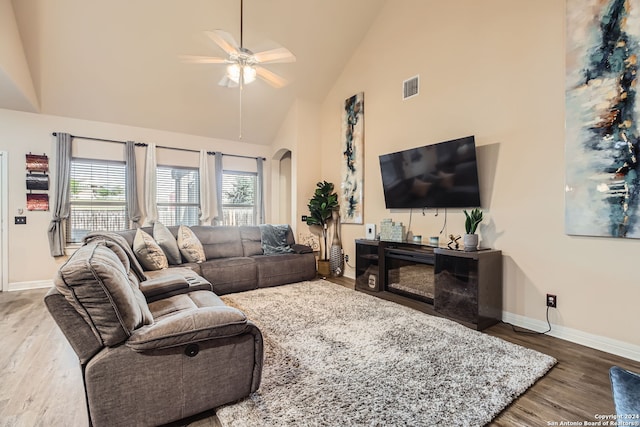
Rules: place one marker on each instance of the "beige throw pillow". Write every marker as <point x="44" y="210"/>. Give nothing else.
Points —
<point x="148" y="252"/>
<point x="189" y="245"/>
<point x="167" y="242"/>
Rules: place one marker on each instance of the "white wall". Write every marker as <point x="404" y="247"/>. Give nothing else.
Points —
<point x="493" y="69"/>
<point x="30" y="263"/>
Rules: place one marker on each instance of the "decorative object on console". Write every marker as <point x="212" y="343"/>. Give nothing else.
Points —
<point x="353" y="159"/>
<point x="602" y="136"/>
<point x="471" y="224"/>
<point x="391" y="231"/>
<point x="321" y="207"/>
<point x="453" y="240"/>
<point x="336" y="257"/>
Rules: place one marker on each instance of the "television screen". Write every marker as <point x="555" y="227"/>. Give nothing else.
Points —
<point x="443" y="175"/>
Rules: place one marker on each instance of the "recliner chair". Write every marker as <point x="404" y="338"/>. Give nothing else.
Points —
<point x="146" y="364"/>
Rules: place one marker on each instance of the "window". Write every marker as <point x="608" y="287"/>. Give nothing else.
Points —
<point x="97" y="198"/>
<point x="239" y="198"/>
<point x="178" y="195"/>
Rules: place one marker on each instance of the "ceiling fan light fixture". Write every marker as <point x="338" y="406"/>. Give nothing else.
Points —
<point x="233" y="72"/>
<point x="248" y="74"/>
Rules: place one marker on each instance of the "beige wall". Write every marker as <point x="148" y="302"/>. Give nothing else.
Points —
<point x="22" y="133"/>
<point x="300" y="134"/>
<point x="494" y="69"/>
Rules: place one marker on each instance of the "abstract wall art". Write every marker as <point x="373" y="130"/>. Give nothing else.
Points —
<point x="352" y="160"/>
<point x="602" y="142"/>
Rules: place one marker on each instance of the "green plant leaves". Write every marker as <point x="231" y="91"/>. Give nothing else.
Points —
<point x="472" y="220"/>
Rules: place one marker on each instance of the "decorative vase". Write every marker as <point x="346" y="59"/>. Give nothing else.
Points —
<point x="336" y="257"/>
<point x="470" y="242"/>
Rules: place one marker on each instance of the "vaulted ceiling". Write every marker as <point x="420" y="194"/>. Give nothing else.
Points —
<point x="118" y="61"/>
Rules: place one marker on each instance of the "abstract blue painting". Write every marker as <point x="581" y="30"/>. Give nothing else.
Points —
<point x="352" y="160"/>
<point x="602" y="138"/>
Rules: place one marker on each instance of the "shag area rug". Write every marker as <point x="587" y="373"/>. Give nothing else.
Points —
<point x="338" y="357"/>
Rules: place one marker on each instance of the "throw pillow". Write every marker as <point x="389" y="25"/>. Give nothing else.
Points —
<point x="274" y="239"/>
<point x="167" y="242"/>
<point x="148" y="252"/>
<point x="189" y="245"/>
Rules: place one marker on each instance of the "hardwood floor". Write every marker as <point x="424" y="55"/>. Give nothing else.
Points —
<point x="41" y="385"/>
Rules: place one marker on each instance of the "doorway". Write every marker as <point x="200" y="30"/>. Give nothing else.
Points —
<point x="285" y="188"/>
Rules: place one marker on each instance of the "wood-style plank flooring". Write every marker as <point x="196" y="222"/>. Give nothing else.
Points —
<point x="41" y="385"/>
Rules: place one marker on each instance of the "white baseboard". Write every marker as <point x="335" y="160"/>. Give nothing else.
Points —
<point x="619" y="348"/>
<point x="36" y="284"/>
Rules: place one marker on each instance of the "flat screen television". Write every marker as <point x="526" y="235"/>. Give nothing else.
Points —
<point x="442" y="175"/>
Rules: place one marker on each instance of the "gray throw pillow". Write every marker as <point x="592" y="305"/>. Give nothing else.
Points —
<point x="148" y="252"/>
<point x="167" y="242"/>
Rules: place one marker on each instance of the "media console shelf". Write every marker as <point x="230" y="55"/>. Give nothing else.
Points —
<point x="459" y="285"/>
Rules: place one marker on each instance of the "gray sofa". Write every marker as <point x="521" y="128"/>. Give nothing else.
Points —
<point x="159" y="346"/>
<point x="150" y="363"/>
<point x="235" y="260"/>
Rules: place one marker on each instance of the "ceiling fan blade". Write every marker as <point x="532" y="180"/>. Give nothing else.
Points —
<point x="280" y="54"/>
<point x="270" y="77"/>
<point x="192" y="59"/>
<point x="224" y="40"/>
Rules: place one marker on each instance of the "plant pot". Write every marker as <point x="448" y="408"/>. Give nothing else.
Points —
<point x="470" y="242"/>
<point x="324" y="267"/>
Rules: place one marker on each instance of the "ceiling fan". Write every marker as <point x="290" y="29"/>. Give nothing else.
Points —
<point x="243" y="66"/>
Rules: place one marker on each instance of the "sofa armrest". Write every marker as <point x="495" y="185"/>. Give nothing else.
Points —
<point x="152" y="288"/>
<point x="187" y="327"/>
<point x="301" y="249"/>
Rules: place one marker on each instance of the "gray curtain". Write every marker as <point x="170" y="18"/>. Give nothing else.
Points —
<point x="133" y="207"/>
<point x="260" y="190"/>
<point x="218" y="214"/>
<point x="61" y="203"/>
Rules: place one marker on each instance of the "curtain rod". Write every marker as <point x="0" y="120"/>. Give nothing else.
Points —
<point x="143" y="144"/>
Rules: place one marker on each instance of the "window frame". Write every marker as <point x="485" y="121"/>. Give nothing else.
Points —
<point x="94" y="203"/>
<point x="228" y="207"/>
<point x="177" y="205"/>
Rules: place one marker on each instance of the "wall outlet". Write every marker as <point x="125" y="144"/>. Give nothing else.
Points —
<point x="552" y="301"/>
<point x="346" y="258"/>
<point x="304" y="218"/>
<point x="21" y="220"/>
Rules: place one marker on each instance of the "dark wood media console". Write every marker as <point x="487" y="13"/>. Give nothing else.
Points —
<point x="462" y="286"/>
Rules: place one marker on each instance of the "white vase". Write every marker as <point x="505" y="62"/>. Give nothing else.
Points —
<point x="470" y="242"/>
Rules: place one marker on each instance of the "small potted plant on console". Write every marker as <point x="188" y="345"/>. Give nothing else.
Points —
<point x="471" y="222"/>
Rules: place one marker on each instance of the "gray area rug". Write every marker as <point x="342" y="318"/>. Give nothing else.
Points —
<point x="337" y="357"/>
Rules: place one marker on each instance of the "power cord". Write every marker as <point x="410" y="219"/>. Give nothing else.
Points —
<point x="531" y="332"/>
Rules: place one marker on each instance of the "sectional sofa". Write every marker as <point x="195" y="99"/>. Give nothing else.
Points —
<point x="158" y="345"/>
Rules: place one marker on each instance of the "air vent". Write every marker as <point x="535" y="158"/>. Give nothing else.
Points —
<point x="410" y="87"/>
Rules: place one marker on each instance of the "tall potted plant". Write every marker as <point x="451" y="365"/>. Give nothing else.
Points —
<point x="321" y="206"/>
<point x="471" y="223"/>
